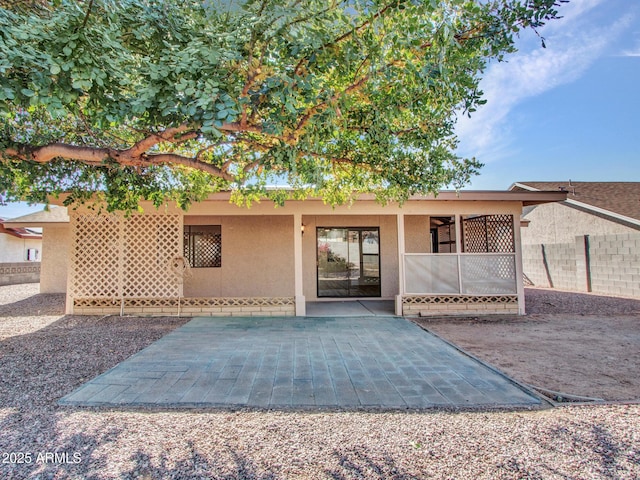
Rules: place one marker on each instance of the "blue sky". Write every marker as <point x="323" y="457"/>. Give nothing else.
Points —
<point x="570" y="111"/>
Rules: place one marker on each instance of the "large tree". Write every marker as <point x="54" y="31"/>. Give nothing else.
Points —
<point x="158" y="99"/>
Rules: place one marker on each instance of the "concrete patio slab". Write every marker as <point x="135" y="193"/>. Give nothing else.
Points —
<point x="355" y="362"/>
<point x="351" y="308"/>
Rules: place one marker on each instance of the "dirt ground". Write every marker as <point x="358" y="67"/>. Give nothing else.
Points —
<point x="579" y="344"/>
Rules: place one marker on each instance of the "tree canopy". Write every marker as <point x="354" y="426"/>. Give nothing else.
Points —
<point x="158" y="100"/>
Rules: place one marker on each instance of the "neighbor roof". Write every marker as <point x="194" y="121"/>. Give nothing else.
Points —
<point x="618" y="199"/>
<point x="53" y="215"/>
<point x="20" y="232"/>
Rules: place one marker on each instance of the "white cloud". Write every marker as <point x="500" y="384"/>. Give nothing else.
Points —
<point x="573" y="44"/>
<point x="634" y="51"/>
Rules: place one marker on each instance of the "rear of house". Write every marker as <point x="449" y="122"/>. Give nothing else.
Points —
<point x="457" y="253"/>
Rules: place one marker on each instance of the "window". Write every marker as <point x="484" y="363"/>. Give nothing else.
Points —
<point x="203" y="245"/>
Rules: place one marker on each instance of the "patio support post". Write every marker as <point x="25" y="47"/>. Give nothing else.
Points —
<point x="68" y="308"/>
<point x="517" y="238"/>
<point x="458" y="223"/>
<point x="301" y="307"/>
<point x="401" y="248"/>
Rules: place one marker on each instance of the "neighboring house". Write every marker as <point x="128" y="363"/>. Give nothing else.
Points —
<point x="19" y="244"/>
<point x="457" y="253"/>
<point x="20" y="250"/>
<point x="589" y="242"/>
<point x="52" y="246"/>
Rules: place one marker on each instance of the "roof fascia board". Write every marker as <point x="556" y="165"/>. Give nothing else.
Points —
<point x="526" y="187"/>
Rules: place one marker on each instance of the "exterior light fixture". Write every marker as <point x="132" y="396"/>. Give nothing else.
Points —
<point x="302" y="229"/>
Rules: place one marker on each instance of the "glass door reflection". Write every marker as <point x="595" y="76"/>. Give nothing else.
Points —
<point x="348" y="262"/>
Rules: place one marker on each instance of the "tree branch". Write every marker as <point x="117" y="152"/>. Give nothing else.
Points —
<point x="167" y="135"/>
<point x="86" y="17"/>
<point x="175" y="159"/>
<point x="348" y="34"/>
<point x="98" y="156"/>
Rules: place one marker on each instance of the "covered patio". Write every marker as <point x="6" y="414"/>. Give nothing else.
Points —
<point x="457" y="253"/>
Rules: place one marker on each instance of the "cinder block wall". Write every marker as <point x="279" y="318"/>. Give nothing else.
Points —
<point x="19" y="272"/>
<point x="615" y="264"/>
<point x="561" y="258"/>
<point x="560" y="269"/>
<point x="613" y="261"/>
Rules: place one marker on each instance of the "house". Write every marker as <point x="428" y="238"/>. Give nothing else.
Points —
<point x="50" y="246"/>
<point x="589" y="242"/>
<point x="455" y="253"/>
<point x="20" y="250"/>
<point x="591" y="208"/>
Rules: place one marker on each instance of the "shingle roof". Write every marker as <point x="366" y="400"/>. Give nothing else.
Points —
<point x="53" y="215"/>
<point x="622" y="198"/>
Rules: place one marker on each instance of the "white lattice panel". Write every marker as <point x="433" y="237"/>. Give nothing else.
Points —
<point x="150" y="243"/>
<point x="96" y="251"/>
<point x="459" y="299"/>
<point x="116" y="257"/>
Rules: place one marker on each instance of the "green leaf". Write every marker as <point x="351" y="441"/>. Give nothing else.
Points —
<point x="378" y="99"/>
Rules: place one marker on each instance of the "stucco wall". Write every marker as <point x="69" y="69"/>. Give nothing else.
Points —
<point x="388" y="249"/>
<point x="417" y="235"/>
<point x="14" y="249"/>
<point x="559" y="223"/>
<point x="257" y="258"/>
<point x="55" y="248"/>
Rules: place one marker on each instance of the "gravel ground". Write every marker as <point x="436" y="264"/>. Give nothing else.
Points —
<point x="580" y="344"/>
<point x="45" y="356"/>
<point x="547" y="301"/>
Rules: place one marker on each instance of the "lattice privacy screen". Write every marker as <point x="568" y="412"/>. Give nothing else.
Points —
<point x="488" y="234"/>
<point x="119" y="257"/>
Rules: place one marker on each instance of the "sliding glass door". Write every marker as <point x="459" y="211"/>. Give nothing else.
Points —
<point x="348" y="262"/>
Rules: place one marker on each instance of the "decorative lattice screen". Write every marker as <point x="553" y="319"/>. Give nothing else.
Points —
<point x="119" y="257"/>
<point x="151" y="242"/>
<point x="488" y="234"/>
<point x="95" y="256"/>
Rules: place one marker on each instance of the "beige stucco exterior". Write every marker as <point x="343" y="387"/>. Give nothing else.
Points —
<point x="561" y="223"/>
<point x="269" y="266"/>
<point x="256" y="258"/>
<point x="417" y="235"/>
<point x="14" y="249"/>
<point x="55" y="257"/>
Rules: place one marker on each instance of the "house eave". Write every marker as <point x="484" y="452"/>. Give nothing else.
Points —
<point x="526" y="198"/>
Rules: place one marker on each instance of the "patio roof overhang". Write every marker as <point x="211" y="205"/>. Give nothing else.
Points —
<point x="527" y="198"/>
<point x="414" y="204"/>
